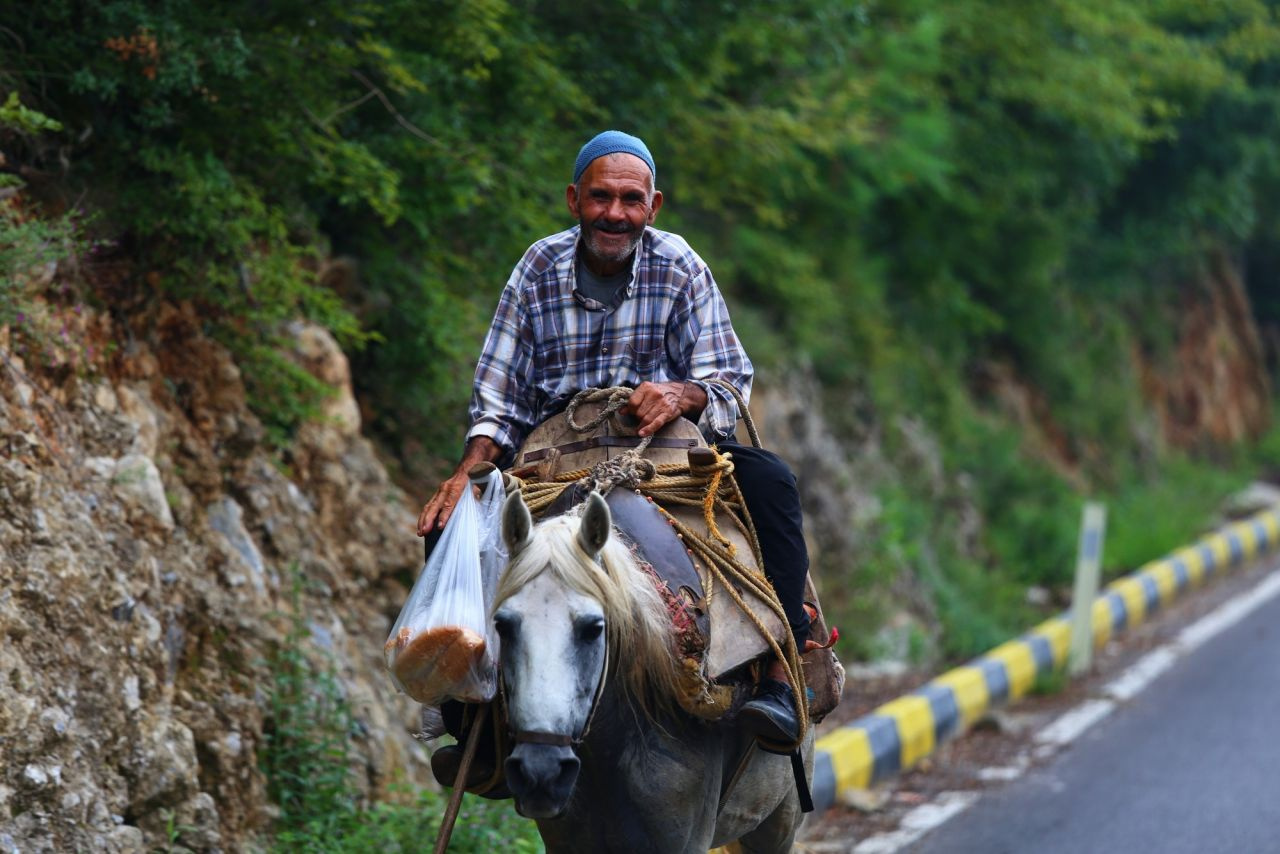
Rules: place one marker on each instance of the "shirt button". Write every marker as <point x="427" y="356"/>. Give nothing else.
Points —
<point x="604" y="350"/>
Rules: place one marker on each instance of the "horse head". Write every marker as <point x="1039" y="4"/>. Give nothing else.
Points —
<point x="554" y="651"/>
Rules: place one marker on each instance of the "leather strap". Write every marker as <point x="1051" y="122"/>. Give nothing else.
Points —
<point x="552" y="738"/>
<point x="609" y="442"/>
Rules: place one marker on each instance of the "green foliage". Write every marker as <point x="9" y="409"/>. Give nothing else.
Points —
<point x="27" y="247"/>
<point x="308" y="761"/>
<point x="41" y="301"/>
<point x="1153" y="515"/>
<point x="408" y="827"/>
<point x="1032" y="512"/>
<point x="1053" y="682"/>
<point x="977" y="609"/>
<point x="15" y="116"/>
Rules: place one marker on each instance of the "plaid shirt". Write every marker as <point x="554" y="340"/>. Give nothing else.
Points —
<point x="549" y="341"/>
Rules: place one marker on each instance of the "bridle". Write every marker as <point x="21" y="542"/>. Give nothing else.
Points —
<point x="556" y="739"/>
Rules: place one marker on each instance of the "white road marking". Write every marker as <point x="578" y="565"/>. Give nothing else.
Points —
<point x="1230" y="613"/>
<point x="1067" y="727"/>
<point x="1004" y="773"/>
<point x="1142" y="673"/>
<point x="918" y="822"/>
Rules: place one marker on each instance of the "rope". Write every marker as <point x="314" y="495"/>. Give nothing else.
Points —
<point x="715" y="477"/>
<point x="629" y="467"/>
<point x="743" y="412"/>
<point x="726" y="570"/>
<point x="614" y="397"/>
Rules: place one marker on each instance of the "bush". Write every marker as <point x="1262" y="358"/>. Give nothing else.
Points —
<point x="307" y="761"/>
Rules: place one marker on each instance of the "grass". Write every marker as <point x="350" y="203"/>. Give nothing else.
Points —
<point x="1147" y="519"/>
<point x="307" y="760"/>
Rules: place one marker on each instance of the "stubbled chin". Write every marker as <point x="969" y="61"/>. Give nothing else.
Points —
<point x="611" y="250"/>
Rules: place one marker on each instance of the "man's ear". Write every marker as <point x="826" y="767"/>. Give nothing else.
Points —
<point x="571" y="199"/>
<point x="654" y="206"/>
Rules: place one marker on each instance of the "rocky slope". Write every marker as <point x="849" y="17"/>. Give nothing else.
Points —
<point x="147" y="550"/>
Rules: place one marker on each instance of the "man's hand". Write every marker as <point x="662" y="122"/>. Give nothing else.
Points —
<point x="436" y="512"/>
<point x="657" y="404"/>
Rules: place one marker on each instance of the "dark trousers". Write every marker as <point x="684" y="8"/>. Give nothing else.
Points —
<point x="769" y="487"/>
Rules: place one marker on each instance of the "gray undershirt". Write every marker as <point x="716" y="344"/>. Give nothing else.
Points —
<point x="606" y="290"/>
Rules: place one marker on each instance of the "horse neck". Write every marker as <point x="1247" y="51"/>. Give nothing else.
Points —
<point x="621" y="720"/>
<point x="626" y="753"/>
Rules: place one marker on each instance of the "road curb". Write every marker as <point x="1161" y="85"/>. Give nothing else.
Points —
<point x="896" y="735"/>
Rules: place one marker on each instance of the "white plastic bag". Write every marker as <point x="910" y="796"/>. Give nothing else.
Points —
<point x="441" y="645"/>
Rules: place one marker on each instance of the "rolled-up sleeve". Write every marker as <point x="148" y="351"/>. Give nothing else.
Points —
<point x="714" y="353"/>
<point x="502" y="405"/>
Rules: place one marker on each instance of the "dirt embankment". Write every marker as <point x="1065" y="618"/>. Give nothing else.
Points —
<point x="1213" y="388"/>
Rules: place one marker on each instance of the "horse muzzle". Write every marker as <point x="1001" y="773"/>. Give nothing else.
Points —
<point x="541" y="778"/>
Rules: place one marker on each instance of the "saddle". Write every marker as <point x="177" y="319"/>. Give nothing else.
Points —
<point x="726" y="639"/>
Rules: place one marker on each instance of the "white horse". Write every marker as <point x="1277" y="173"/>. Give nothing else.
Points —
<point x="604" y="759"/>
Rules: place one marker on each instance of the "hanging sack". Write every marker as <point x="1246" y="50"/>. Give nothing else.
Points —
<point x="441" y="646"/>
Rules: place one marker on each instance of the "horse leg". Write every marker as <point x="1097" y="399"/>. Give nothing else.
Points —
<point x="774" y="835"/>
<point x="776" y="832"/>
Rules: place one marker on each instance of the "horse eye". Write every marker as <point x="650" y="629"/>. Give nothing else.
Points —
<point x="505" y="624"/>
<point x="590" y="629"/>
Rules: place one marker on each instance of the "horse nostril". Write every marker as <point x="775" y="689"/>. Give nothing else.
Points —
<point x="568" y="770"/>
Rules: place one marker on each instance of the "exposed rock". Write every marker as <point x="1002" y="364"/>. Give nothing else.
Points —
<point x="136" y="480"/>
<point x="162" y="767"/>
<point x="146" y="542"/>
<point x="226" y="518"/>
<point x="137" y="409"/>
<point x="836" y="479"/>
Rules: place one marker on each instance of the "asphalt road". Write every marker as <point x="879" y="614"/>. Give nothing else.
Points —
<point x="1192" y="764"/>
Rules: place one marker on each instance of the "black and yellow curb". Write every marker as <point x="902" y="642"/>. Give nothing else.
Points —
<point x="898" y="734"/>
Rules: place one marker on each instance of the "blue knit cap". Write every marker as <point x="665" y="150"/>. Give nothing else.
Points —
<point x="613" y="142"/>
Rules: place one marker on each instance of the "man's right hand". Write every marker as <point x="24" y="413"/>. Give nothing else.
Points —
<point x="436" y="512"/>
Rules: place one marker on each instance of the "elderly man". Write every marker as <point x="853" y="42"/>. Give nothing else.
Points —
<point x="615" y="302"/>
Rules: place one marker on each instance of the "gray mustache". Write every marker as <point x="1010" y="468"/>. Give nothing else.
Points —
<point x="613" y="227"/>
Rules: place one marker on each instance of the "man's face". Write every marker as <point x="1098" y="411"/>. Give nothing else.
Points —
<point x="613" y="201"/>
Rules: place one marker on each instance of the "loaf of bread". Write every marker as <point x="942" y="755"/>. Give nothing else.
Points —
<point x="436" y="663"/>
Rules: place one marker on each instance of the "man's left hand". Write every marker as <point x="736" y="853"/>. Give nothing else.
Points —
<point x="657" y="404"/>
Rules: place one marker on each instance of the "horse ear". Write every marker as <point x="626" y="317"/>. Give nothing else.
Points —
<point x="516" y="523"/>
<point x="596" y="525"/>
